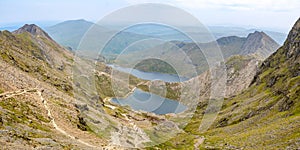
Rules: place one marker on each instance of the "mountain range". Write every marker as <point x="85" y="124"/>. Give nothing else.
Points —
<point x="257" y="43"/>
<point x="69" y="33"/>
<point x="51" y="99"/>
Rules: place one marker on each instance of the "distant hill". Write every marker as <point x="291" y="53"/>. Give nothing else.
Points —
<point x="223" y="31"/>
<point x="168" y="33"/>
<point x="70" y="32"/>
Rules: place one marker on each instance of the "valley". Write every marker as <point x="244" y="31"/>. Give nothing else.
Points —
<point x="153" y="94"/>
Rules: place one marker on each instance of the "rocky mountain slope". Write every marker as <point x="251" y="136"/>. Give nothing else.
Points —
<point x="264" y="116"/>
<point x="41" y="107"/>
<point x="37" y="110"/>
<point x="33" y="51"/>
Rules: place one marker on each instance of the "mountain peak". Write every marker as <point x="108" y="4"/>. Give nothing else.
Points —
<point x="259" y="42"/>
<point x="258" y="35"/>
<point x="32" y="29"/>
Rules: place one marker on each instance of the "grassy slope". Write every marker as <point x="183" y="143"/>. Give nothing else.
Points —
<point x="265" y="116"/>
<point x="37" y="59"/>
<point x="23" y="52"/>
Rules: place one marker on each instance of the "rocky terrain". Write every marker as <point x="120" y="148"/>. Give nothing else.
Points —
<point x="47" y="102"/>
<point x="263" y="116"/>
<point x="37" y="108"/>
<point x="44" y="105"/>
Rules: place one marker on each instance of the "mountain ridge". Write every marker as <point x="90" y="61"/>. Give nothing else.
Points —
<point x="73" y="30"/>
<point x="257" y="44"/>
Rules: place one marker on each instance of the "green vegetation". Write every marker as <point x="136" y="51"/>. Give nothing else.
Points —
<point x="238" y="61"/>
<point x="155" y="65"/>
<point x="266" y="115"/>
<point x="18" y="113"/>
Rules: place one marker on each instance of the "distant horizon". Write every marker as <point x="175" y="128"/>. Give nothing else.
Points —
<point x="277" y="15"/>
<point x="49" y="23"/>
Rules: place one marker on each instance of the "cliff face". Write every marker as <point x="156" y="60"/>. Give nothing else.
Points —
<point x="292" y="43"/>
<point x="282" y="66"/>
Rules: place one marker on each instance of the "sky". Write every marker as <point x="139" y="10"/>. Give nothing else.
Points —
<point x="269" y="14"/>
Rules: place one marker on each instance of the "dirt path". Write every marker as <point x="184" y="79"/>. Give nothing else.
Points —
<point x="199" y="141"/>
<point x="55" y="125"/>
<point x="7" y="95"/>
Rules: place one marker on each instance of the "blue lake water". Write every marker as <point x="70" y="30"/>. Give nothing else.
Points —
<point x="150" y="75"/>
<point x="140" y="100"/>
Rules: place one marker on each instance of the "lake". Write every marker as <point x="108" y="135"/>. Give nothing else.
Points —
<point x="150" y="75"/>
<point x="140" y="100"/>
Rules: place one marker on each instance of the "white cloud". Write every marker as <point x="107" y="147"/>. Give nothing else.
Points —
<point x="262" y="5"/>
<point x="275" y="14"/>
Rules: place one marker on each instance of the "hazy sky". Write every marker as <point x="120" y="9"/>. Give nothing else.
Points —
<point x="274" y="14"/>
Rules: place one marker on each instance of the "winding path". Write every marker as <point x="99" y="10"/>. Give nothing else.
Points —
<point x="7" y="95"/>
<point x="55" y="125"/>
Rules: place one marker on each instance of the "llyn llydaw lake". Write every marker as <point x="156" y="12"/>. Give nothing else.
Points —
<point x="140" y="100"/>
